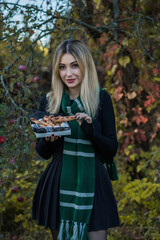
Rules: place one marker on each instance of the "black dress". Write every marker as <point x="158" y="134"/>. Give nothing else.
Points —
<point x="46" y="198"/>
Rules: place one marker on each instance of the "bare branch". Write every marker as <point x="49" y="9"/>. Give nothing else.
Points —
<point x="140" y="40"/>
<point x="7" y="93"/>
<point x="116" y="17"/>
<point x="27" y="29"/>
<point x="10" y="66"/>
<point x="25" y="50"/>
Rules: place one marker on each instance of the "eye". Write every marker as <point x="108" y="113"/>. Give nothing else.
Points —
<point x="61" y="67"/>
<point x="75" y="65"/>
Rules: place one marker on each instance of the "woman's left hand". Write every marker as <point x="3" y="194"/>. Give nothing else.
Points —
<point x="87" y="118"/>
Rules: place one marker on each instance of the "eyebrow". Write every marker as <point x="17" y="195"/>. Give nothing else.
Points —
<point x="70" y="63"/>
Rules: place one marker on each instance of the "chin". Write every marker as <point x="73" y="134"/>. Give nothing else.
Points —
<point x="71" y="85"/>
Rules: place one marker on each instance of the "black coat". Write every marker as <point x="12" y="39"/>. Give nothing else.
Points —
<point x="102" y="134"/>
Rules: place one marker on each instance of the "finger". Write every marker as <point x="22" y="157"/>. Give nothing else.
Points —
<point x="88" y="119"/>
<point x="79" y="121"/>
<point x="81" y="115"/>
<point x="47" y="139"/>
<point x="55" y="137"/>
<point x="77" y="115"/>
<point x="52" y="138"/>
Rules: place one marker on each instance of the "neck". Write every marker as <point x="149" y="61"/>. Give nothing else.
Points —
<point x="73" y="93"/>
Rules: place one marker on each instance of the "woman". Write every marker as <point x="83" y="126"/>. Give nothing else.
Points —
<point x="74" y="193"/>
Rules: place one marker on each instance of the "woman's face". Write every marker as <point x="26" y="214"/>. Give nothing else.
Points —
<point x="70" y="72"/>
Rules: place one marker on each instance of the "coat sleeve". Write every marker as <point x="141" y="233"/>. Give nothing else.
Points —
<point x="102" y="131"/>
<point x="45" y="149"/>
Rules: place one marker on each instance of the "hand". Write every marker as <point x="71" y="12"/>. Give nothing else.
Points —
<point x="87" y="118"/>
<point x="51" y="138"/>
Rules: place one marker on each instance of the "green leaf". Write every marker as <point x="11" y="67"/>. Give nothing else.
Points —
<point x="157" y="79"/>
<point x="133" y="156"/>
<point x="123" y="61"/>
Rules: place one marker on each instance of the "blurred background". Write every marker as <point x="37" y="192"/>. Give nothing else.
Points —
<point x="124" y="38"/>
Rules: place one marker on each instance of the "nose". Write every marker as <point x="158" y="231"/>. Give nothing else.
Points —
<point x="69" y="71"/>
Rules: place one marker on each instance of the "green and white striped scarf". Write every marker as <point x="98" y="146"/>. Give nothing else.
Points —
<point x="77" y="182"/>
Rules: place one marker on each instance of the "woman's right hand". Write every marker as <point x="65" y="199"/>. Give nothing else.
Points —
<point x="51" y="138"/>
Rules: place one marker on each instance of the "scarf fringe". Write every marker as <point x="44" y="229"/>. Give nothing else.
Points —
<point x="61" y="230"/>
<point x="72" y="231"/>
<point x="67" y="230"/>
<point x="75" y="232"/>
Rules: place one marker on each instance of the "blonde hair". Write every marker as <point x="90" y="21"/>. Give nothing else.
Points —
<point x="89" y="91"/>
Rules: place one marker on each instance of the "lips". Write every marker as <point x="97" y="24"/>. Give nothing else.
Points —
<point x="70" y="80"/>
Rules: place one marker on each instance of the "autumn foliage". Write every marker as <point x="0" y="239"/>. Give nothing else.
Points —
<point x="123" y="37"/>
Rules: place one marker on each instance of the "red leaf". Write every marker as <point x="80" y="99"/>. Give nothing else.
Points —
<point x="126" y="142"/>
<point x="138" y="138"/>
<point x="155" y="71"/>
<point x="156" y="90"/>
<point x="102" y="40"/>
<point x="119" y="73"/>
<point x="137" y="110"/>
<point x="150" y="101"/>
<point x="142" y="135"/>
<point x="140" y="119"/>
<point x="108" y="67"/>
<point x="118" y="94"/>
